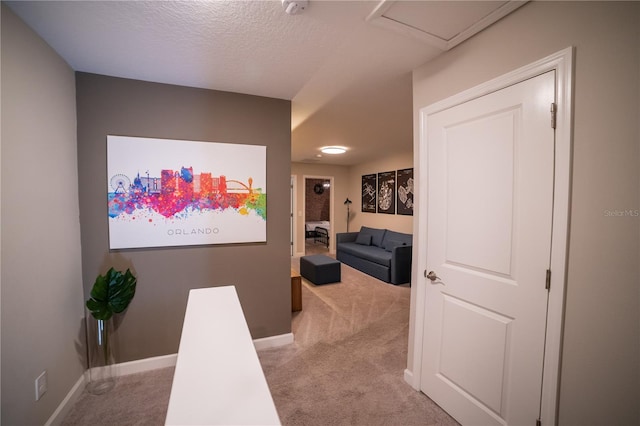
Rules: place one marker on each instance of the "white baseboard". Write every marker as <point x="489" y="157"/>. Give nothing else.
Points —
<point x="67" y="403"/>
<point x="142" y="365"/>
<point x="409" y="378"/>
<point x="122" y="369"/>
<point x="273" y="341"/>
<point x="147" y="364"/>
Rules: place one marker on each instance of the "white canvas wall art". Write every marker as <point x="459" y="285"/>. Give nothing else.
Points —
<point x="164" y="192"/>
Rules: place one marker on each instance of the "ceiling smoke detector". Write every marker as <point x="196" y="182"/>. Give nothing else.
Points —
<point x="293" y="7"/>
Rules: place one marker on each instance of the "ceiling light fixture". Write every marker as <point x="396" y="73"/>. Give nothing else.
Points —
<point x="333" y="150"/>
<point x="293" y="7"/>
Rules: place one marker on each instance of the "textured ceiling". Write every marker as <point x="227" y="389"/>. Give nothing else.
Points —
<point x="349" y="81"/>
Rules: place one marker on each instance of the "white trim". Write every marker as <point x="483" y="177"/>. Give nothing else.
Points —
<point x="121" y="369"/>
<point x="419" y="259"/>
<point x="562" y="63"/>
<point x="408" y="377"/>
<point x="294" y="214"/>
<point x="273" y="341"/>
<point x="137" y="366"/>
<point x="147" y="364"/>
<point x="560" y="238"/>
<point x="67" y="403"/>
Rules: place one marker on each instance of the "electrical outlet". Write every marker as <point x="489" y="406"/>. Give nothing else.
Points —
<point x="41" y="385"/>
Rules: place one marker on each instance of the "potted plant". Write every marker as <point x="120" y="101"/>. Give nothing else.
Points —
<point x="111" y="294"/>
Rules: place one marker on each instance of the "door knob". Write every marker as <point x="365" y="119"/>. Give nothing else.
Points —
<point x="432" y="276"/>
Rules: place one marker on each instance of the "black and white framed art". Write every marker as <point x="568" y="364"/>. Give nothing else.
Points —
<point x="369" y="193"/>
<point x="387" y="192"/>
<point x="404" y="191"/>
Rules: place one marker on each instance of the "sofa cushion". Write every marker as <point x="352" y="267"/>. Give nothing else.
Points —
<point x="370" y="253"/>
<point x="407" y="239"/>
<point x="389" y="245"/>
<point x="363" y="239"/>
<point x="377" y="235"/>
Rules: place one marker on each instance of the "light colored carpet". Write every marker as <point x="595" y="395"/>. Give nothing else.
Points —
<point x="347" y="363"/>
<point x="345" y="367"/>
<point x="137" y="399"/>
<point x="311" y="247"/>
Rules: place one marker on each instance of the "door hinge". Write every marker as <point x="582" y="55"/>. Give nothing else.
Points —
<point x="554" y="111"/>
<point x="547" y="286"/>
<point x="538" y="422"/>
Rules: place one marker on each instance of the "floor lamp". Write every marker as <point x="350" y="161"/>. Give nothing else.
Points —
<point x="347" y="202"/>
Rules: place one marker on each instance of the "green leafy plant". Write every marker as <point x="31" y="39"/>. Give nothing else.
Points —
<point x="111" y="293"/>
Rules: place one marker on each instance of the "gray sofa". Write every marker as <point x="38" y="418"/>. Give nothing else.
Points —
<point x="381" y="253"/>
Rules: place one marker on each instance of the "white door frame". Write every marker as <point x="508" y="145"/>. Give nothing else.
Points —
<point x="293" y="189"/>
<point x="562" y="63"/>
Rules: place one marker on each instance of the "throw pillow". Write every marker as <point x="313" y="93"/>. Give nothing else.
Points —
<point x="363" y="239"/>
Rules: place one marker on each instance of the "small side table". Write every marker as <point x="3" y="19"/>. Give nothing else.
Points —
<point x="296" y="291"/>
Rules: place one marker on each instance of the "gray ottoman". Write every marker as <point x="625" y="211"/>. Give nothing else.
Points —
<point x="320" y="269"/>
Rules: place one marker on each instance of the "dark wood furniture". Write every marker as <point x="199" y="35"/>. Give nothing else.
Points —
<point x="296" y="291"/>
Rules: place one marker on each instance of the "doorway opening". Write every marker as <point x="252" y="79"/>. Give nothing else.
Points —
<point x="318" y="201"/>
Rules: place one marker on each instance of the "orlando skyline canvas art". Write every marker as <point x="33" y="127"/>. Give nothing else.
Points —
<point x="165" y="192"/>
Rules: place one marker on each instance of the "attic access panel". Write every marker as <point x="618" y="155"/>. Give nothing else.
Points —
<point x="443" y="24"/>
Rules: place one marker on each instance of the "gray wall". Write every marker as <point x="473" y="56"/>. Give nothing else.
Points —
<point x="42" y="306"/>
<point x="152" y="324"/>
<point x="600" y="377"/>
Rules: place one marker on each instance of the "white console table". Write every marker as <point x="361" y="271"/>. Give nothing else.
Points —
<point x="218" y="378"/>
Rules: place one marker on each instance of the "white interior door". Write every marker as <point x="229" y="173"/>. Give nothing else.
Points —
<point x="489" y="216"/>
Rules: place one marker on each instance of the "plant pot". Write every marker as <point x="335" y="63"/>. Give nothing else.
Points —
<point x="101" y="359"/>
